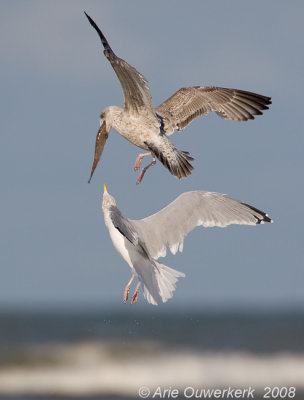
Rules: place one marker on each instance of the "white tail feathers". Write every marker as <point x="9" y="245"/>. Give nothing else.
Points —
<point x="158" y="281"/>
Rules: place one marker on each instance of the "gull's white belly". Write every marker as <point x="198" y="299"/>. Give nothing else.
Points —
<point x="122" y="245"/>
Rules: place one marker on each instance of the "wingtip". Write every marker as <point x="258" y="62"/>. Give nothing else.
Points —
<point x="265" y="219"/>
<point x="89" y="18"/>
<point x="268" y="219"/>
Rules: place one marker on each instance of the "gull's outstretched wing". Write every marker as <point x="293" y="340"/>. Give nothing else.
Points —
<point x="134" y="84"/>
<point x="169" y="226"/>
<point x="101" y="138"/>
<point x="189" y="103"/>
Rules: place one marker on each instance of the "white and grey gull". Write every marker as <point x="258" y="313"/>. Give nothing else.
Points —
<point x="141" y="242"/>
<point x="148" y="127"/>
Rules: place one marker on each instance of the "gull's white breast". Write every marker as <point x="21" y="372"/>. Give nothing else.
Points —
<point x="122" y="245"/>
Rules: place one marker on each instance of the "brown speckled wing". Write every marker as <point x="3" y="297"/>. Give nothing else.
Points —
<point x="134" y="84"/>
<point x="189" y="103"/>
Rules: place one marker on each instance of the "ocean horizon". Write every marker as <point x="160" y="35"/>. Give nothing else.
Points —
<point x="94" y="354"/>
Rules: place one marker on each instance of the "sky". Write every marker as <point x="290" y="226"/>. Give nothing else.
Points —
<point x="55" y="248"/>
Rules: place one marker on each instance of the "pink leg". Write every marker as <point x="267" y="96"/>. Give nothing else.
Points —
<point x="127" y="289"/>
<point x="144" y="170"/>
<point x="135" y="295"/>
<point x="139" y="160"/>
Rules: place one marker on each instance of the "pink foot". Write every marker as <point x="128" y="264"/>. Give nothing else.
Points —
<point x="127" y="289"/>
<point x="135" y="295"/>
<point x="126" y="295"/>
<point x="144" y="170"/>
<point x="139" y="160"/>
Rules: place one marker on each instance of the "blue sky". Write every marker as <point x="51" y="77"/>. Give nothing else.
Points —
<point x="55" y="249"/>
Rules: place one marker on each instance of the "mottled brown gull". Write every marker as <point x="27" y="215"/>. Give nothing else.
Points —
<point x="148" y="127"/>
<point x="141" y="242"/>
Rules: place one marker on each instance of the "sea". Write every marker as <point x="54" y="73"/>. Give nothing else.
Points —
<point x="134" y="353"/>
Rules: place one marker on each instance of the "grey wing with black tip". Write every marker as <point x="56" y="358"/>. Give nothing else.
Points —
<point x="189" y="103"/>
<point x="134" y="84"/>
<point x="169" y="226"/>
<point x="127" y="229"/>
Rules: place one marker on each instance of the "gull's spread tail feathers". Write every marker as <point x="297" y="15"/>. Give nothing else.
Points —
<point x="176" y="161"/>
<point x="158" y="280"/>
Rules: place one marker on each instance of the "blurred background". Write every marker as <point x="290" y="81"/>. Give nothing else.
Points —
<point x="237" y="318"/>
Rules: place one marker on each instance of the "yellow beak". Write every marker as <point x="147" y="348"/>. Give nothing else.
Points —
<point x="105" y="188"/>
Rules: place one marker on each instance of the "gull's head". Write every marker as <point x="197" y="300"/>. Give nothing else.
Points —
<point x="107" y="199"/>
<point x="109" y="116"/>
